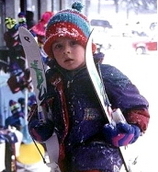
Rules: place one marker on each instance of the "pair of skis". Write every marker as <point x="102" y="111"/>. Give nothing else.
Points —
<point x="35" y="64"/>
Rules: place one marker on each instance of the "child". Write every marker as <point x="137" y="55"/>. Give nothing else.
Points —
<point x="87" y="142"/>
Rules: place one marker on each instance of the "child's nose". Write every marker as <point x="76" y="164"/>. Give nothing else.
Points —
<point x="67" y="49"/>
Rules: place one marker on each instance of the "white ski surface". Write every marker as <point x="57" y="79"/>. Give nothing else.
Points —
<point x="35" y="65"/>
<point x="95" y="78"/>
<point x="33" y="56"/>
<point x="99" y="88"/>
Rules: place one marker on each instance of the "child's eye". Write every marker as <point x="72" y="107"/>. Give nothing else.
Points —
<point x="57" y="46"/>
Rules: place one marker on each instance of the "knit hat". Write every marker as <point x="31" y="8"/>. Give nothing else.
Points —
<point x="46" y="16"/>
<point x="22" y="19"/>
<point x="70" y="23"/>
<point x="14" y="106"/>
<point x="10" y="22"/>
<point x="21" y="14"/>
<point x="39" y="28"/>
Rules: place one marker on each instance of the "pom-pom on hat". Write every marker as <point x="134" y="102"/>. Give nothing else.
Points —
<point x="70" y="23"/>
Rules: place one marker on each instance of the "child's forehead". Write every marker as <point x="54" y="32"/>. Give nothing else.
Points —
<point x="63" y="39"/>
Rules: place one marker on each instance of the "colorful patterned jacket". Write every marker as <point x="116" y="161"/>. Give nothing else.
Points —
<point x="78" y="119"/>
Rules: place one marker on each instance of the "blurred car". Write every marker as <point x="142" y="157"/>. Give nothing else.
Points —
<point x="100" y="22"/>
<point x="145" y="45"/>
<point x="101" y="36"/>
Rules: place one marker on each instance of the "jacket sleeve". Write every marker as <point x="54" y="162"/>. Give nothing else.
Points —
<point x="139" y="117"/>
<point x="125" y="95"/>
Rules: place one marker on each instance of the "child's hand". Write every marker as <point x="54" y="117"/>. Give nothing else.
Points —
<point x="122" y="134"/>
<point x="32" y="113"/>
<point x="45" y="111"/>
<point x="41" y="127"/>
<point x="41" y="131"/>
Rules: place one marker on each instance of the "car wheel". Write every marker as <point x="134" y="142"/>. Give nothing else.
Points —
<point x="140" y="50"/>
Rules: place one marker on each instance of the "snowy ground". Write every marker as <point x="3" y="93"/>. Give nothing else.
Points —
<point x="142" y="70"/>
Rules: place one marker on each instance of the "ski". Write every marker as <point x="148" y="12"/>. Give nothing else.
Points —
<point x="100" y="90"/>
<point x="33" y="56"/>
<point x="37" y="71"/>
<point x="96" y="80"/>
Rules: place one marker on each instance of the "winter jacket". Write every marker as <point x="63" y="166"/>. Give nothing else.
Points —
<point x="78" y="118"/>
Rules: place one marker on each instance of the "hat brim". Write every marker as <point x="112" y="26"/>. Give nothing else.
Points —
<point x="48" y="44"/>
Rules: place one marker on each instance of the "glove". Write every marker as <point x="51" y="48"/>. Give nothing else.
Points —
<point x="41" y="131"/>
<point x="46" y="104"/>
<point x="122" y="134"/>
<point x="40" y="126"/>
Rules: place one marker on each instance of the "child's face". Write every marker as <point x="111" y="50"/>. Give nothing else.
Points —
<point x="68" y="53"/>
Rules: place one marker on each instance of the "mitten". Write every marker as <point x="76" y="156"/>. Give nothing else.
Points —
<point x="41" y="131"/>
<point x="121" y="134"/>
<point x="40" y="126"/>
<point x="45" y="107"/>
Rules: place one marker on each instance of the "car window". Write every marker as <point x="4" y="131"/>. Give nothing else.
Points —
<point x="102" y="23"/>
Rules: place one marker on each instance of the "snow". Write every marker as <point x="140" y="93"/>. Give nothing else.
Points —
<point x="142" y="70"/>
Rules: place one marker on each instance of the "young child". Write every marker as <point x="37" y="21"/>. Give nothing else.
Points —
<point x="87" y="142"/>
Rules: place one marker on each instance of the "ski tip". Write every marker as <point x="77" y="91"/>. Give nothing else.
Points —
<point x="89" y="52"/>
<point x="23" y="31"/>
<point x="90" y="39"/>
<point x="26" y="36"/>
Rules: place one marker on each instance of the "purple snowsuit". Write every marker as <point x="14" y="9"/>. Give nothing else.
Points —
<point x="78" y="118"/>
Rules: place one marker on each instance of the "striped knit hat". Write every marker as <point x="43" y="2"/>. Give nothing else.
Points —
<point x="70" y="23"/>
